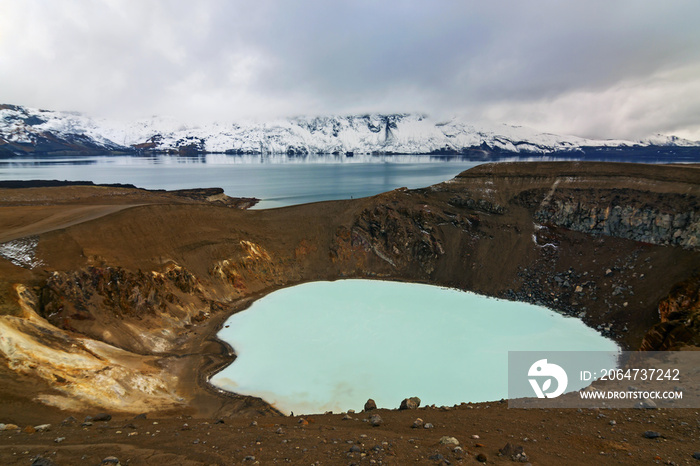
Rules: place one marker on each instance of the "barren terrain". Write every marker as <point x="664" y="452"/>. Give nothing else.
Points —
<point x="110" y="299"/>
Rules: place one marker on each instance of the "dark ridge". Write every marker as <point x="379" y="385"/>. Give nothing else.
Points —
<point x="18" y="184"/>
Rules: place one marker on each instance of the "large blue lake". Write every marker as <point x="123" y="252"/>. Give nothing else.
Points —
<point x="276" y="180"/>
<point x="332" y="345"/>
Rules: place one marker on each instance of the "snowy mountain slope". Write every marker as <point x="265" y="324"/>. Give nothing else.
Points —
<point x="27" y="130"/>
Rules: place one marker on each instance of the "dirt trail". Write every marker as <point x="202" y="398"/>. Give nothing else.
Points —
<point x="35" y="220"/>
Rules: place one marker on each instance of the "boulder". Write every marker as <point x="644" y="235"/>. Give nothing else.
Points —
<point x="101" y="417"/>
<point x="41" y="461"/>
<point x="410" y="403"/>
<point x="111" y="461"/>
<point x="42" y="427"/>
<point x="447" y="440"/>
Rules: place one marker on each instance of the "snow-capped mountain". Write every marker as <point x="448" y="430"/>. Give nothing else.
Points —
<point x="26" y="130"/>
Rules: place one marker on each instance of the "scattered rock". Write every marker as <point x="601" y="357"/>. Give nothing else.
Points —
<point x="101" y="417"/>
<point x="59" y="439"/>
<point x="355" y="449"/>
<point x="347" y="417"/>
<point x="446" y="440"/>
<point x="475" y="437"/>
<point x="612" y="423"/>
<point x="436" y="457"/>
<point x="11" y="427"/>
<point x="303" y="422"/>
<point x="428" y="425"/>
<point x="375" y="420"/>
<point x="481" y="458"/>
<point x="29" y="430"/>
<point x="111" y="460"/>
<point x="86" y="424"/>
<point x="249" y="458"/>
<point x="69" y="421"/>
<point x="41" y="461"/>
<point x="370" y="405"/>
<point x="696" y="455"/>
<point x="410" y="403"/>
<point x="254" y="424"/>
<point x="646" y="403"/>
<point x="220" y="421"/>
<point x="515" y="453"/>
<point x="42" y="428"/>
<point x="651" y="434"/>
<point x="279" y="431"/>
<point x="140" y="416"/>
<point x="417" y="423"/>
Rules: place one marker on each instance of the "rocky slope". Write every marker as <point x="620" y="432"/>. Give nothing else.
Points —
<point x="31" y="131"/>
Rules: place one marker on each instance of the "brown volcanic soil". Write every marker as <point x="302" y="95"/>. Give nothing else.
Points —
<point x="117" y="266"/>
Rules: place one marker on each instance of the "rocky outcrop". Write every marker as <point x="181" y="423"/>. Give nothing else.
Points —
<point x="82" y="371"/>
<point x="105" y="303"/>
<point x="397" y="236"/>
<point x="680" y="319"/>
<point x="625" y="213"/>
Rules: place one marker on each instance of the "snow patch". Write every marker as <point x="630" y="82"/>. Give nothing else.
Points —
<point x="21" y="252"/>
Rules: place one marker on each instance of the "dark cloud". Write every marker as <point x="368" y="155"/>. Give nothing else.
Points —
<point x="597" y="68"/>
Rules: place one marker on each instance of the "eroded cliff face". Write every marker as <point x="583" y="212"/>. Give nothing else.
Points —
<point x="668" y="219"/>
<point x="83" y="371"/>
<point x="403" y="237"/>
<point x="679" y="313"/>
<point x="122" y="311"/>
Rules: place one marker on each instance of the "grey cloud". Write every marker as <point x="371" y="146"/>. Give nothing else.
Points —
<point x="524" y="61"/>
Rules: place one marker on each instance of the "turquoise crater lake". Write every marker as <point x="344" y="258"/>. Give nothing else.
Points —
<point x="329" y="346"/>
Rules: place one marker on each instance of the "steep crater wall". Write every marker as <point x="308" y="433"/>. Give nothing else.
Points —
<point x="667" y="219"/>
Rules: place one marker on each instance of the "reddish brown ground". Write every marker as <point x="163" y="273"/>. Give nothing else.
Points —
<point x="425" y="236"/>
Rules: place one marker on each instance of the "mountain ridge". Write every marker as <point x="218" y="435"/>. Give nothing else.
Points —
<point x="25" y="130"/>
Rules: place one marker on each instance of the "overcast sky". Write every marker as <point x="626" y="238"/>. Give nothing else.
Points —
<point x="595" y="68"/>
